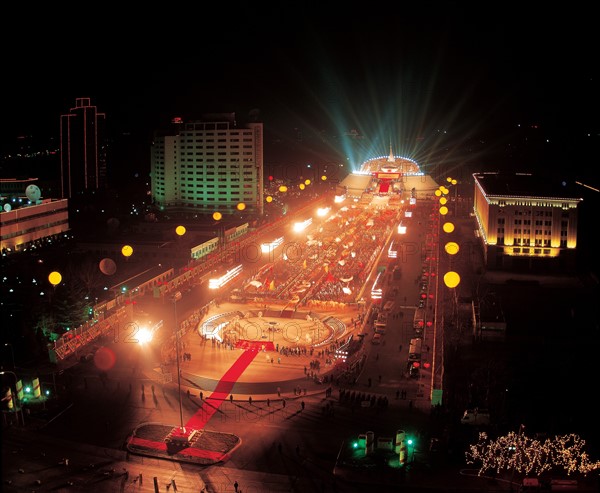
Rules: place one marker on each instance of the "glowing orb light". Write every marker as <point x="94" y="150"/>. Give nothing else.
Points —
<point x="55" y="278"/>
<point x="451" y="279"/>
<point x="448" y="227"/>
<point x="127" y="251"/>
<point x="451" y="248"/>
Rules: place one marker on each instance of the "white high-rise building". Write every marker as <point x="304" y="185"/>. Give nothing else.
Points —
<point x="208" y="165"/>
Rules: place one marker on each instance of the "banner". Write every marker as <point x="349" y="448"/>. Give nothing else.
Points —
<point x="37" y="392"/>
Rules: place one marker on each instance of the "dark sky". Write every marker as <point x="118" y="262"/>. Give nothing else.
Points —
<point x="392" y="71"/>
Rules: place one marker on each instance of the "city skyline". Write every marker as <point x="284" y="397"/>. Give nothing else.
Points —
<point x="439" y="80"/>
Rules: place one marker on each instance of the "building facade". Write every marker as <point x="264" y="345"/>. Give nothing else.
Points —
<point x="208" y="165"/>
<point x="32" y="225"/>
<point x="526" y="222"/>
<point x="82" y="150"/>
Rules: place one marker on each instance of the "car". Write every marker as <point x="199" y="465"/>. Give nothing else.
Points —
<point x="475" y="417"/>
<point x="376" y="338"/>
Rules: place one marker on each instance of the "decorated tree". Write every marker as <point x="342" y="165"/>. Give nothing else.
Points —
<point x="519" y="453"/>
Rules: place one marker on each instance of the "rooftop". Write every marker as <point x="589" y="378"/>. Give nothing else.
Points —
<point x="526" y="185"/>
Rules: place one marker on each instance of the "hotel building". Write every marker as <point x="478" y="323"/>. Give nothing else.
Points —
<point x="208" y="165"/>
<point x="526" y="222"/>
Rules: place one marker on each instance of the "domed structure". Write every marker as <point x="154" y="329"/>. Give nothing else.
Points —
<point x="33" y="193"/>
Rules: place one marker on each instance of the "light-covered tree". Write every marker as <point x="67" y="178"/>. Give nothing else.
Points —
<point x="519" y="453"/>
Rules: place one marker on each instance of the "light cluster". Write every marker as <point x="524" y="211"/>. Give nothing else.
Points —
<point x="520" y="453"/>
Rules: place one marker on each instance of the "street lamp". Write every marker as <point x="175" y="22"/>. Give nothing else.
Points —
<point x="20" y="408"/>
<point x="12" y="353"/>
<point x="175" y="298"/>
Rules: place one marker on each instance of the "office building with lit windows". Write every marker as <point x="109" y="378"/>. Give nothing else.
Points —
<point x="208" y="165"/>
<point x="526" y="222"/>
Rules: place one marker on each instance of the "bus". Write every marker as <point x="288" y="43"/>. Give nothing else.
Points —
<point x="381" y="323"/>
<point x="414" y="351"/>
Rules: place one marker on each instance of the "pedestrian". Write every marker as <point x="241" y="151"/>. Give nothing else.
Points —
<point x="230" y="397"/>
<point x="302" y="405"/>
<point x="250" y="399"/>
<point x="283" y="402"/>
<point x="236" y="486"/>
<point x="201" y="395"/>
<point x="268" y="402"/>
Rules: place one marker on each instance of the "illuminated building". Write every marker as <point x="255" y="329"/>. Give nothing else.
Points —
<point x="82" y="150"/>
<point x="208" y="165"/>
<point x="32" y="225"/>
<point x="525" y="221"/>
<point x="388" y="176"/>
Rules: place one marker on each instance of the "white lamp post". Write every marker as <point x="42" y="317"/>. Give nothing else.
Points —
<point x="175" y="298"/>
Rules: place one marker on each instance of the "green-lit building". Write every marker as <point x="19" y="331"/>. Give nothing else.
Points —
<point x="208" y="165"/>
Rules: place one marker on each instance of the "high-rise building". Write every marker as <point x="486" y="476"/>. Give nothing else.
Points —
<point x="208" y="165"/>
<point x="82" y="150"/>
<point x="526" y="221"/>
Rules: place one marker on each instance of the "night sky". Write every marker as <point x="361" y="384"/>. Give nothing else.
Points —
<point x="511" y="87"/>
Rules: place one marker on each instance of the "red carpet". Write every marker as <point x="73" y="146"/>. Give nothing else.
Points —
<point x="223" y="389"/>
<point x="211" y="405"/>
<point x="384" y="186"/>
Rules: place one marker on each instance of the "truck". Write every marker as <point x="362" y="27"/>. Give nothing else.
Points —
<point x="381" y="323"/>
